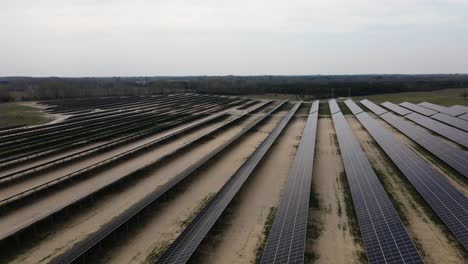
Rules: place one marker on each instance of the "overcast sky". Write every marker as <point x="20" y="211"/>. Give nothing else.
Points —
<point x="243" y="37"/>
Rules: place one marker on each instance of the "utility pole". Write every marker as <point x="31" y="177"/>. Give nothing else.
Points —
<point x="332" y="93"/>
<point x="349" y="92"/>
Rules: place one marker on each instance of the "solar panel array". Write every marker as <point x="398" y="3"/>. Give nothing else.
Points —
<point x="373" y="107"/>
<point x="396" y="108"/>
<point x="459" y="109"/>
<point x="454" y="134"/>
<point x="384" y="235"/>
<point x="418" y="109"/>
<point x="453" y="121"/>
<point x="464" y="116"/>
<point x="452" y="156"/>
<point x="334" y="108"/>
<point x="354" y="108"/>
<point x="447" y="202"/>
<point x="188" y="241"/>
<point x="439" y="108"/>
<point x="286" y="241"/>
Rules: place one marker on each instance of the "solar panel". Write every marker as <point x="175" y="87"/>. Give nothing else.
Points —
<point x="333" y="106"/>
<point x="373" y="107"/>
<point x="354" y="108"/>
<point x="459" y="109"/>
<point x="418" y="109"/>
<point x="452" y="156"/>
<point x="464" y="116"/>
<point x="396" y="108"/>
<point x="439" y="108"/>
<point x="384" y="235"/>
<point x="450" y="120"/>
<point x="454" y="134"/>
<point x="447" y="202"/>
<point x="188" y="241"/>
<point x="286" y="241"/>
<point x="315" y="106"/>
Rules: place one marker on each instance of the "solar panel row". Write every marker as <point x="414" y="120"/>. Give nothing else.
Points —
<point x="188" y="241"/>
<point x="450" y="120"/>
<point x="286" y="241"/>
<point x="459" y="109"/>
<point x="354" y="108"/>
<point x="334" y="108"/>
<point x="418" y="109"/>
<point x="374" y="108"/>
<point x="464" y="116"/>
<point x="439" y="108"/>
<point x="454" y="134"/>
<point x="447" y="202"/>
<point x="396" y="108"/>
<point x="384" y="235"/>
<point x="452" y="156"/>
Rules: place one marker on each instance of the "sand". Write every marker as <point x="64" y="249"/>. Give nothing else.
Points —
<point x="334" y="242"/>
<point x="242" y="231"/>
<point x="111" y="205"/>
<point x="433" y="244"/>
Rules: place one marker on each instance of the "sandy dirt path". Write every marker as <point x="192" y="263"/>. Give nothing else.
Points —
<point x="329" y="239"/>
<point x="432" y="242"/>
<point x="111" y="205"/>
<point x="237" y="236"/>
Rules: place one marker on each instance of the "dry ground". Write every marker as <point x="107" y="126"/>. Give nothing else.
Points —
<point x="330" y="239"/>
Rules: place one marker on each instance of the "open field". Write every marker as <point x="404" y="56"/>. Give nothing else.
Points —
<point x="191" y="178"/>
<point x="16" y="114"/>
<point x="445" y="97"/>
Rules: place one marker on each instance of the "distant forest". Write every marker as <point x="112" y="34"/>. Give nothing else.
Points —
<point x="311" y="86"/>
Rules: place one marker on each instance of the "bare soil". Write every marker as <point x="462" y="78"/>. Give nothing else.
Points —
<point x="240" y="233"/>
<point x="329" y="237"/>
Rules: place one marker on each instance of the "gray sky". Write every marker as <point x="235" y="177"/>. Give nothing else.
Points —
<point x="243" y="37"/>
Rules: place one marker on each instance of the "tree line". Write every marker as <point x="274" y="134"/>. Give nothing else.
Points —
<point x="312" y="86"/>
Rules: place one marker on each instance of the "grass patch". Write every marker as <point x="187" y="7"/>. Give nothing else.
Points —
<point x="273" y="96"/>
<point x="197" y="209"/>
<point x="344" y="109"/>
<point x="265" y="234"/>
<point x="324" y="110"/>
<point x="156" y="253"/>
<point x="16" y="114"/>
<point x="350" y="211"/>
<point x="445" y="97"/>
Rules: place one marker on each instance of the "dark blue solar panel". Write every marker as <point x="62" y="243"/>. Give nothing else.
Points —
<point x="439" y="108"/>
<point x="396" y="108"/>
<point x="447" y="202"/>
<point x="459" y="109"/>
<point x="286" y="241"/>
<point x="454" y="134"/>
<point x="418" y="109"/>
<point x="464" y="116"/>
<point x="452" y="156"/>
<point x="450" y="120"/>
<point x="373" y="107"/>
<point x="333" y="106"/>
<point x="353" y="107"/>
<point x="384" y="235"/>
